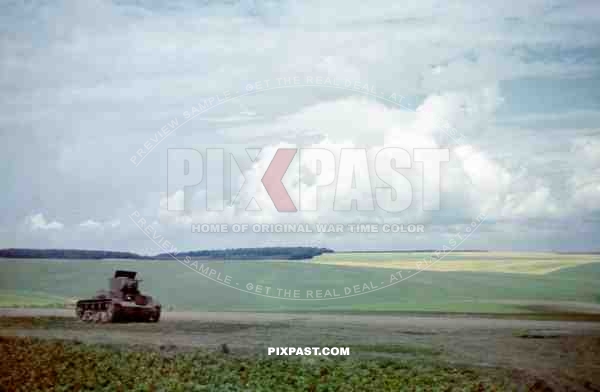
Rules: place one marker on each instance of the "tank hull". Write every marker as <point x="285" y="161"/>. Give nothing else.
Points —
<point x="110" y="311"/>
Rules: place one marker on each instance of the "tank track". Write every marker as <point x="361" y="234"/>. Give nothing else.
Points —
<point x="95" y="311"/>
<point x="104" y="311"/>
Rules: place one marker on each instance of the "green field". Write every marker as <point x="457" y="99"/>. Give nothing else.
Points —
<point x="462" y="282"/>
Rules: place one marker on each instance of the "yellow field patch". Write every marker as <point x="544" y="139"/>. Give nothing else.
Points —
<point x="505" y="262"/>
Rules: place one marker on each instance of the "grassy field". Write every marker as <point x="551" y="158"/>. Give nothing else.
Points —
<point x="462" y="282"/>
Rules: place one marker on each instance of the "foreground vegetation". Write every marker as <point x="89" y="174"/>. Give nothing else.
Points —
<point x="30" y="364"/>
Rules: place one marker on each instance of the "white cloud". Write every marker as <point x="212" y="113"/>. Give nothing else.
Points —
<point x="39" y="222"/>
<point x="90" y="224"/>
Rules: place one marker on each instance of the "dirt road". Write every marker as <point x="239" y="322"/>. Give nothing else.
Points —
<point x="565" y="354"/>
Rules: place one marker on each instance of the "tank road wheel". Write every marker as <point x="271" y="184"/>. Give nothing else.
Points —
<point x="79" y="312"/>
<point x="97" y="317"/>
<point x="108" y="314"/>
<point x="154" y="317"/>
<point x="88" y="316"/>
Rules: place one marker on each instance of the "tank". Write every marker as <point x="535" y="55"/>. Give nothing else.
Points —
<point x="121" y="302"/>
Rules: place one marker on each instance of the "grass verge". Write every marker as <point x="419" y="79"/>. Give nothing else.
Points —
<point x="409" y="349"/>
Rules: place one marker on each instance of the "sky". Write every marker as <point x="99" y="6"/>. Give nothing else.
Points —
<point x="85" y="85"/>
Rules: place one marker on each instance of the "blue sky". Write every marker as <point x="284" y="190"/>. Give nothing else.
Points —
<point x="84" y="84"/>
